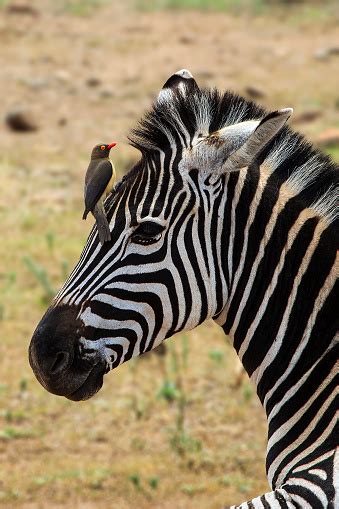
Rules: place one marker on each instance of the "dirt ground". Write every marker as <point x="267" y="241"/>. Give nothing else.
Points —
<point x="84" y="76"/>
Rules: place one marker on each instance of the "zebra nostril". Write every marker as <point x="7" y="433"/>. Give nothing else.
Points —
<point x="60" y="363"/>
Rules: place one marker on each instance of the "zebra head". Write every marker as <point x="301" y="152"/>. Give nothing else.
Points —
<point x="163" y="271"/>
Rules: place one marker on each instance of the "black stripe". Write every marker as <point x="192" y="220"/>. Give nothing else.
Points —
<point x="307" y="495"/>
<point x="270" y="322"/>
<point x="191" y="251"/>
<point x="225" y="236"/>
<point x="242" y="212"/>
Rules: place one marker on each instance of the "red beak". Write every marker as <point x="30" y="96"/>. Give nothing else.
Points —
<point x="111" y="145"/>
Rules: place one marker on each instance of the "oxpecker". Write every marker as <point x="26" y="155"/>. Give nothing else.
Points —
<point x="99" y="182"/>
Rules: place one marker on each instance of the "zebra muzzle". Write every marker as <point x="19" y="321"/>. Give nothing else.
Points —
<point x="55" y="356"/>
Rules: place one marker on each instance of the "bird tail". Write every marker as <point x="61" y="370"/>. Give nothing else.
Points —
<point x="84" y="215"/>
<point x="102" y="225"/>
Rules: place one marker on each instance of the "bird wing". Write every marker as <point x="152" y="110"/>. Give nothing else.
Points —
<point x="98" y="183"/>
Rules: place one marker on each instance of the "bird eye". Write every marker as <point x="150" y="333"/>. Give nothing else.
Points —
<point x="103" y="147"/>
<point x="147" y="233"/>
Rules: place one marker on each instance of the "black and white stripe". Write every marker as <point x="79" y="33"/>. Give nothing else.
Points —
<point x="254" y="247"/>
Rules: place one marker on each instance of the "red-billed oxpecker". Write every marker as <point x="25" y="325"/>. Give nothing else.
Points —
<point x="99" y="182"/>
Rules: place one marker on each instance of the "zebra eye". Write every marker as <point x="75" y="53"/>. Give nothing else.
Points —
<point x="147" y="233"/>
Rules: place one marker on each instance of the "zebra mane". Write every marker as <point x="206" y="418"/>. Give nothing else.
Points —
<point x="306" y="170"/>
<point x="203" y="111"/>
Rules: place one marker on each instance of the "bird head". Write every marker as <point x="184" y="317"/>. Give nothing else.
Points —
<point x="102" y="150"/>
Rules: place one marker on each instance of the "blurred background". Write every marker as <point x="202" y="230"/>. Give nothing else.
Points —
<point x="182" y="428"/>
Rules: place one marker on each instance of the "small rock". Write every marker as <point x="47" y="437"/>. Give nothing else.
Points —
<point x="325" y="53"/>
<point x="93" y="81"/>
<point x="62" y="75"/>
<point x="47" y="59"/>
<point x="20" y="120"/>
<point x="106" y="93"/>
<point x="328" y="138"/>
<point x="307" y="116"/>
<point x="22" y="9"/>
<point x="187" y="39"/>
<point x="334" y="50"/>
<point x="35" y="83"/>
<point x="321" y="54"/>
<point x="254" y="92"/>
<point x="62" y="121"/>
<point x="72" y="91"/>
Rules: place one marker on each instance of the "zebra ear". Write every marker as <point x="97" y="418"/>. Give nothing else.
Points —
<point x="258" y="139"/>
<point x="237" y="146"/>
<point x="181" y="80"/>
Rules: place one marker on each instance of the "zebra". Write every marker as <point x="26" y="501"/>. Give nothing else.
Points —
<point x="230" y="215"/>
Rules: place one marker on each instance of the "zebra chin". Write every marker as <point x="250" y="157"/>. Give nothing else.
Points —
<point x="56" y="358"/>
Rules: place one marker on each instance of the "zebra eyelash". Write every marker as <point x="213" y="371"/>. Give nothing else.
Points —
<point x="146" y="242"/>
<point x="147" y="232"/>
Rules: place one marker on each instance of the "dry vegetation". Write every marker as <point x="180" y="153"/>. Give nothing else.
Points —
<point x="164" y="432"/>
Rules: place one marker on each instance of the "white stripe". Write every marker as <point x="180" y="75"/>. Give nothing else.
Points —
<point x="319" y="473"/>
<point x="308" y="485"/>
<point x="316" y="461"/>
<point x="237" y="193"/>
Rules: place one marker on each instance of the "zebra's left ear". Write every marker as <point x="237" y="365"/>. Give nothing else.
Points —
<point x="258" y="139"/>
<point x="237" y="146"/>
<point x="182" y="81"/>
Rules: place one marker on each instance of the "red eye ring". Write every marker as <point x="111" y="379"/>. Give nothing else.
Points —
<point x="103" y="147"/>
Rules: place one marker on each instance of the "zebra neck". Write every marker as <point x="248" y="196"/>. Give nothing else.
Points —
<point x="273" y="276"/>
<point x="280" y="305"/>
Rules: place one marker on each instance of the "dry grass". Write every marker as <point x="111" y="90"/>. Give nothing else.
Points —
<point x="118" y="450"/>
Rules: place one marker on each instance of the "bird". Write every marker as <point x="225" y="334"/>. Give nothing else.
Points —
<point x="99" y="182"/>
